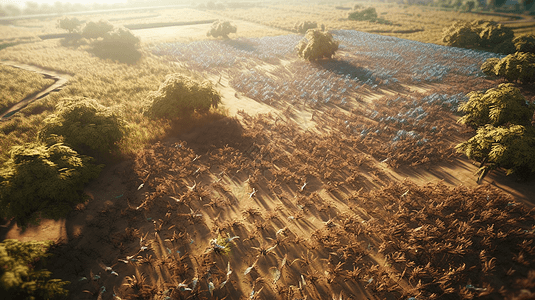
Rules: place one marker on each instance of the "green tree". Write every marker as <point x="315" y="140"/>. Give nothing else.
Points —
<point x="69" y="24"/>
<point x="119" y="44"/>
<point x="493" y="34"/>
<point x="84" y="125"/>
<point x="510" y="147"/>
<point x="488" y="66"/>
<point x="180" y="96"/>
<point x="221" y="29"/>
<point x="498" y="106"/>
<point x="366" y="14"/>
<point x="525" y="43"/>
<point x="302" y="27"/>
<point x="43" y="181"/>
<point x="317" y="45"/>
<point x="461" y="34"/>
<point x="20" y="275"/>
<point x="93" y="30"/>
<point x="517" y="67"/>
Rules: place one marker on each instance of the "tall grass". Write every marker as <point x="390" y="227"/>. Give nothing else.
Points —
<point x="112" y="84"/>
<point x="16" y="84"/>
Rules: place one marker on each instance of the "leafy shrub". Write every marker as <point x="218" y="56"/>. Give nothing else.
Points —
<point x="302" y="27"/>
<point x="525" y="43"/>
<point x="41" y="181"/>
<point x="317" y="45"/>
<point x="119" y="44"/>
<point x="489" y="36"/>
<point x="497" y="106"/>
<point x="488" y="66"/>
<point x="180" y="96"/>
<point x="93" y="30"/>
<point x="517" y="67"/>
<point x="461" y="34"/>
<point x="104" y="40"/>
<point x="19" y="278"/>
<point x="84" y="125"/>
<point x="366" y="14"/>
<point x="221" y="29"/>
<point x="492" y="34"/>
<point x="508" y="147"/>
<point x="69" y="24"/>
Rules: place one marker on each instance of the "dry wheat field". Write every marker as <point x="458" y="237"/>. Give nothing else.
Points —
<point x="329" y="180"/>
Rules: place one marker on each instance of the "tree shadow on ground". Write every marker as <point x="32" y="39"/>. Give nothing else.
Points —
<point x="217" y="134"/>
<point x="127" y="55"/>
<point x="344" y="68"/>
<point x="240" y="44"/>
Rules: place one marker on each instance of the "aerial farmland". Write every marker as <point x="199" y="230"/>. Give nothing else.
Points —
<point x="267" y="150"/>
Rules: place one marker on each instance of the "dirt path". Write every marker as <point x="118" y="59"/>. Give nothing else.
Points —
<point x="60" y="79"/>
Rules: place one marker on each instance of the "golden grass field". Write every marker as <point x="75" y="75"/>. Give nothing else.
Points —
<point x="322" y="211"/>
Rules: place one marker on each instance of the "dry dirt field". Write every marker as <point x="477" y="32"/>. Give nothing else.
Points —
<point x="335" y="180"/>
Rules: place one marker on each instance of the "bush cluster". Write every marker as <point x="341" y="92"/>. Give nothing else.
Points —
<point x="180" y="96"/>
<point x="505" y="137"/>
<point x="85" y="126"/>
<point x="104" y="40"/>
<point x="46" y="178"/>
<point x="519" y="67"/>
<point x="302" y="27"/>
<point x="498" y="106"/>
<point x="43" y="181"/>
<point x="221" y="29"/>
<point x="316" y="45"/>
<point x="489" y="36"/>
<point x="20" y="275"/>
<point x="366" y="14"/>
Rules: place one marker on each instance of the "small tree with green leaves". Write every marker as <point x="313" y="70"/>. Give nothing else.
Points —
<point x="84" y="125"/>
<point x="317" y="45"/>
<point x="70" y="24"/>
<point x="518" y="66"/>
<point x="302" y="27"/>
<point x="461" y="34"/>
<point x="20" y="275"/>
<point x="43" y="181"/>
<point x="366" y="14"/>
<point x="493" y="35"/>
<point x="488" y="66"/>
<point x="93" y="30"/>
<point x="180" y="96"/>
<point x="221" y="29"/>
<point x="498" y="106"/>
<point x="525" y="43"/>
<point x="118" y="44"/>
<point x="510" y="147"/>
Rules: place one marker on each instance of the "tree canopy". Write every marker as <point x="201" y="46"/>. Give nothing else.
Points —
<point x="317" y="45"/>
<point x="181" y="96"/>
